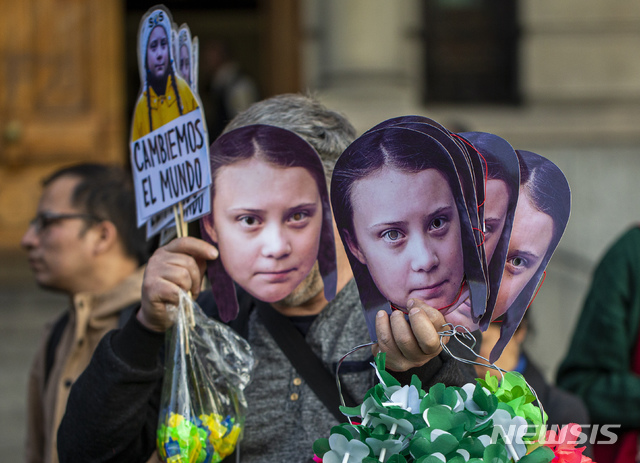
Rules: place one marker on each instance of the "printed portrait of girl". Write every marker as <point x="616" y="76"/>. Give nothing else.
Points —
<point x="542" y="213"/>
<point x="184" y="54"/>
<point x="165" y="95"/>
<point x="401" y="215"/>
<point x="271" y="218"/>
<point x="501" y="185"/>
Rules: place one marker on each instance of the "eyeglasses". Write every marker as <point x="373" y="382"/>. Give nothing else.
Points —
<point x="45" y="219"/>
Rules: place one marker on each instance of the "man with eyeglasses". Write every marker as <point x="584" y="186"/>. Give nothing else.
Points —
<point x="83" y="242"/>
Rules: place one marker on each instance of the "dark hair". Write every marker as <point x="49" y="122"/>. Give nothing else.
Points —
<point x="327" y="131"/>
<point x="500" y="158"/>
<point x="106" y="191"/>
<point x="281" y="148"/>
<point x="407" y="150"/>
<point x="546" y="186"/>
<point x="465" y="159"/>
<point x="398" y="148"/>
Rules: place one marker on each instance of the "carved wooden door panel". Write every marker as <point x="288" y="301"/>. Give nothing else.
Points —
<point x="61" y="96"/>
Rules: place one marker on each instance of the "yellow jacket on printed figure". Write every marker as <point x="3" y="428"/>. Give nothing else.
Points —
<point x="163" y="108"/>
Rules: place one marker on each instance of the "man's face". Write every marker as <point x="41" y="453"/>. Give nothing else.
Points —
<point x="158" y="52"/>
<point x="267" y="230"/>
<point x="60" y="254"/>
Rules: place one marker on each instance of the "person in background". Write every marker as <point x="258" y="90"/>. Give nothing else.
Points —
<point x="83" y="242"/>
<point x="112" y="413"/>
<point x="231" y="90"/>
<point x="602" y="365"/>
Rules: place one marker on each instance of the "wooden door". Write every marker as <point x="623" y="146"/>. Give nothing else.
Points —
<point x="61" y="96"/>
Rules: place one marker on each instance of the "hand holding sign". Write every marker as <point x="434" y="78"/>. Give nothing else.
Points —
<point x="178" y="265"/>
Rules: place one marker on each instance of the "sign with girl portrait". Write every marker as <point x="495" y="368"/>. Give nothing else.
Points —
<point x="198" y="204"/>
<point x="186" y="52"/>
<point x="169" y="139"/>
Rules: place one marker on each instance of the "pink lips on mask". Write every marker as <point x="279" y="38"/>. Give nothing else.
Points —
<point x="276" y="276"/>
<point x="428" y="292"/>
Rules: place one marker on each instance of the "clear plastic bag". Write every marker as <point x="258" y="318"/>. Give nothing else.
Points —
<point x="203" y="406"/>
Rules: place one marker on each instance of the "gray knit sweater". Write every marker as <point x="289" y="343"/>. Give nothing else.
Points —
<point x="285" y="417"/>
<point x="113" y="407"/>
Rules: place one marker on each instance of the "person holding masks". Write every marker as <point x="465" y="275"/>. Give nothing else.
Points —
<point x="117" y="397"/>
<point x="83" y="242"/>
<point x="602" y="364"/>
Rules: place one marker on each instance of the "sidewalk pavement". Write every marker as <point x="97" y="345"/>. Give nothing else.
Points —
<point x="24" y="310"/>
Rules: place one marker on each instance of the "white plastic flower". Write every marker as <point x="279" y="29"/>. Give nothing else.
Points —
<point x="407" y="398"/>
<point x="370" y="405"/>
<point x="345" y="451"/>
<point x="512" y="430"/>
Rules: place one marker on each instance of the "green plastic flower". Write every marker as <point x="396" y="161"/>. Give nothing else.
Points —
<point x="483" y="422"/>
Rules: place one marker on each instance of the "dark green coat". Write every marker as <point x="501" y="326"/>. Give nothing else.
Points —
<point x="598" y="364"/>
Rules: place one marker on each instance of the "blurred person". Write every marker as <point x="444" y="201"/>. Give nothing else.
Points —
<point x="113" y="408"/>
<point x="83" y="242"/>
<point x="561" y="407"/>
<point x="602" y="364"/>
<point x="231" y="89"/>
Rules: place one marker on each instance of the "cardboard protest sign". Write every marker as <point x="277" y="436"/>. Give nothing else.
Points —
<point x="199" y="204"/>
<point x="194" y="207"/>
<point x="169" y="140"/>
<point x="403" y="219"/>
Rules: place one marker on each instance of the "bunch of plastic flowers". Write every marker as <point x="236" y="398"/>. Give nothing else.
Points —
<point x="207" y="439"/>
<point x="491" y="420"/>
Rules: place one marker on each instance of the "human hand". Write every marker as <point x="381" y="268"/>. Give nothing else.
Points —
<point x="409" y="344"/>
<point x="178" y="265"/>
